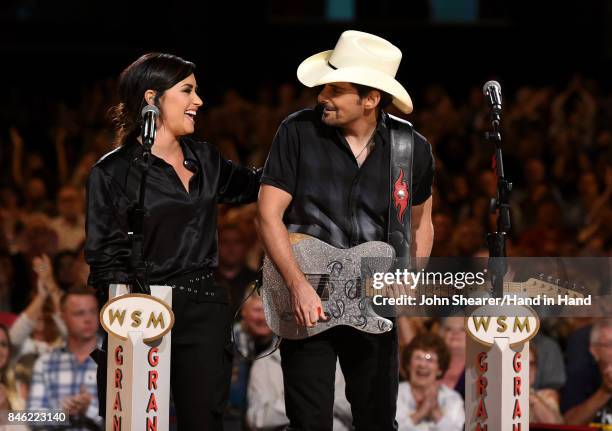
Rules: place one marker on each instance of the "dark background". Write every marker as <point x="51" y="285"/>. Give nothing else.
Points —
<point x="50" y="49"/>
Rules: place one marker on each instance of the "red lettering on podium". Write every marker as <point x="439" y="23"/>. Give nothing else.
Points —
<point x="516" y="363"/>
<point x="117" y="405"/>
<point x="152" y="380"/>
<point x="481" y="385"/>
<point x="118" y="378"/>
<point x="116" y="423"/>
<point x="481" y="360"/>
<point x="153" y="357"/>
<point x="517" y="386"/>
<point x="152" y="403"/>
<point x="151" y="424"/>
<point x="517" y="409"/>
<point x="481" y="390"/>
<point x="482" y="410"/>
<point x="118" y="355"/>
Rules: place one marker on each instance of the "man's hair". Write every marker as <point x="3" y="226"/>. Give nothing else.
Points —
<point x="364" y="90"/>
<point x="81" y="290"/>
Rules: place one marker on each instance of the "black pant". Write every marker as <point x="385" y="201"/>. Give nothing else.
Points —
<point x="201" y="364"/>
<point x="370" y="367"/>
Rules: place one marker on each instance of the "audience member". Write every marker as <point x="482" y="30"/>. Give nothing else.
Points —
<point x="66" y="377"/>
<point x="452" y="332"/>
<point x="424" y="402"/>
<point x="9" y="397"/>
<point x="233" y="271"/>
<point x="543" y="403"/>
<point x="266" y="399"/>
<point x="596" y="408"/>
<point x="70" y="222"/>
<point x="253" y="337"/>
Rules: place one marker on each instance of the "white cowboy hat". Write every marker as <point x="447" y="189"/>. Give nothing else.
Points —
<point x="359" y="58"/>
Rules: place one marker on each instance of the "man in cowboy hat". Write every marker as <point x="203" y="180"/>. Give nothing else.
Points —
<point x="327" y="176"/>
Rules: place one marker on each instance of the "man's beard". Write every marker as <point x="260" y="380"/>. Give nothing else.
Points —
<point x="330" y="119"/>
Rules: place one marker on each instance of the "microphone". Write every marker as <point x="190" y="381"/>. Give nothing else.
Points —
<point x="492" y="90"/>
<point x="149" y="117"/>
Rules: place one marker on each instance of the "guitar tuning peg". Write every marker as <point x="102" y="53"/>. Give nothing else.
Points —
<point x="549" y="278"/>
<point x="574" y="287"/>
<point x="566" y="284"/>
<point x="558" y="281"/>
<point x="541" y="276"/>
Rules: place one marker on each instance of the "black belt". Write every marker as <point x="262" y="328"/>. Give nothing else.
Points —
<point x="196" y="282"/>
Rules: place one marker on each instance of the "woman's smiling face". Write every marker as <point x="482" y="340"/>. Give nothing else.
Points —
<point x="424" y="369"/>
<point x="178" y="106"/>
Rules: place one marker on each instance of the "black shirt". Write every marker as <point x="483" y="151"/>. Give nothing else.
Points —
<point x="180" y="227"/>
<point x="333" y="198"/>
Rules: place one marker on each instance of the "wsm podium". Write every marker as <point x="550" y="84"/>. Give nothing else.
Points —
<point x="497" y="368"/>
<point x="138" y="372"/>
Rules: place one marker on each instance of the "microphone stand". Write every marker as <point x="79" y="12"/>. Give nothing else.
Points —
<point x="497" y="265"/>
<point x="139" y="265"/>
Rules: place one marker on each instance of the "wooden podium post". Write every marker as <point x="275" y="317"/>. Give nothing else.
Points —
<point x="497" y="371"/>
<point x="138" y="372"/>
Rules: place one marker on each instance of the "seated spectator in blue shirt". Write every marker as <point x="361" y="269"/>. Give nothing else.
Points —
<point x="66" y="377"/>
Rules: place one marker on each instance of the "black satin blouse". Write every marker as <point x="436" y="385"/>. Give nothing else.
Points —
<point x="180" y="226"/>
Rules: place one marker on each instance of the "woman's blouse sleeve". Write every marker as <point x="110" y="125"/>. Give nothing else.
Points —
<point x="237" y="184"/>
<point x="107" y="246"/>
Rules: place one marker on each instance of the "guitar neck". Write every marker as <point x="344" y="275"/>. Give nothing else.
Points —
<point x="532" y="288"/>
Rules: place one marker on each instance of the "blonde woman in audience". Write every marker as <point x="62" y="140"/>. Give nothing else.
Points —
<point x="23" y="369"/>
<point x="453" y="333"/>
<point x="9" y="399"/>
<point x="424" y="403"/>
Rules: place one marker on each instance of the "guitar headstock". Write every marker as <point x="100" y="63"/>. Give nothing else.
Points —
<point x="545" y="285"/>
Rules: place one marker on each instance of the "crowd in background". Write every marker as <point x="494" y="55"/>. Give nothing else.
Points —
<point x="557" y="152"/>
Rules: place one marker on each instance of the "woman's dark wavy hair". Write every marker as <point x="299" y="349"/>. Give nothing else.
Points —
<point x="153" y="71"/>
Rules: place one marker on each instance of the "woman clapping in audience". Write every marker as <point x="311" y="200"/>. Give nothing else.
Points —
<point x="39" y="328"/>
<point x="424" y="403"/>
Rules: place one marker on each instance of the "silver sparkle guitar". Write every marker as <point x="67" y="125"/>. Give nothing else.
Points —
<point x="337" y="276"/>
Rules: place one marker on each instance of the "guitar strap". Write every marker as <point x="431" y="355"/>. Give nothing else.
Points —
<point x="399" y="234"/>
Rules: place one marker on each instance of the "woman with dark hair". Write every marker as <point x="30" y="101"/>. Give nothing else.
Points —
<point x="186" y="180"/>
<point x="423" y="402"/>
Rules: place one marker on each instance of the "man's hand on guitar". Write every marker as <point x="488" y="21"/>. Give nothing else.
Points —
<point x="306" y="304"/>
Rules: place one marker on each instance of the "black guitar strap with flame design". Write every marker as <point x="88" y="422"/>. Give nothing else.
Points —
<point x="399" y="234"/>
